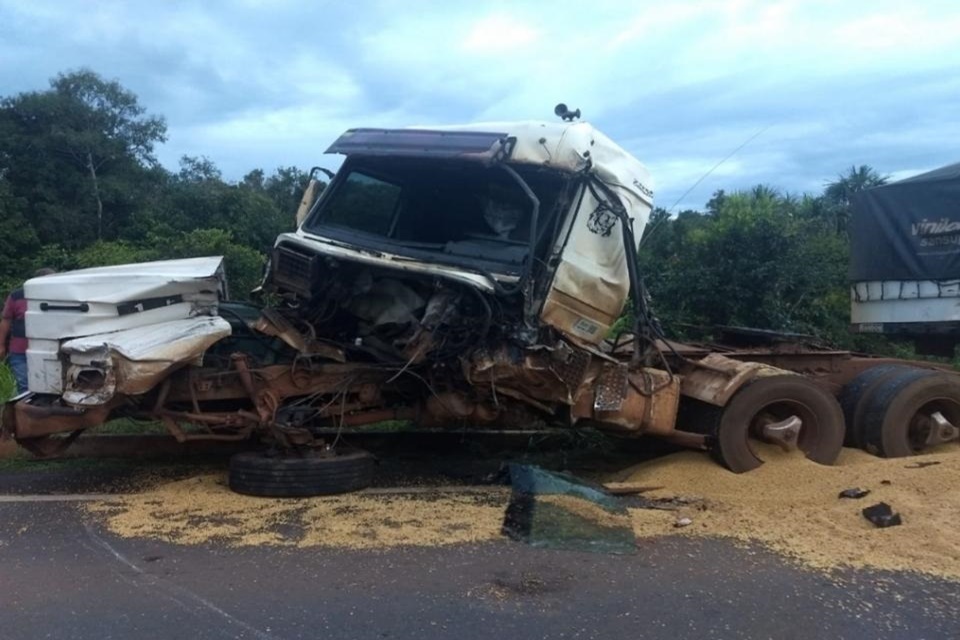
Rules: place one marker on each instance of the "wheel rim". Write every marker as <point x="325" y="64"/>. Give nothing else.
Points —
<point x="780" y="413"/>
<point x="933" y="423"/>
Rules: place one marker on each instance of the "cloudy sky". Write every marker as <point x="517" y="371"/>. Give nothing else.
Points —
<point x="818" y="86"/>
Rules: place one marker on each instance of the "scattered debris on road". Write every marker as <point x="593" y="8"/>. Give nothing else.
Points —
<point x="854" y="494"/>
<point x="922" y="464"/>
<point x="559" y="511"/>
<point x="628" y="488"/>
<point x="791" y="507"/>
<point x="882" y="516"/>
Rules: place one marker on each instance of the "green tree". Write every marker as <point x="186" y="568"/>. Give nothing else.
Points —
<point x="109" y="252"/>
<point x="244" y="265"/>
<point x="198" y="198"/>
<point x="284" y="188"/>
<point x="755" y="260"/>
<point x="78" y="154"/>
<point x="839" y="193"/>
<point x="18" y="241"/>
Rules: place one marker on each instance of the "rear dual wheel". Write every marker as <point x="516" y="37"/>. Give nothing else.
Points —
<point x="897" y="410"/>
<point x="853" y="397"/>
<point x="907" y="415"/>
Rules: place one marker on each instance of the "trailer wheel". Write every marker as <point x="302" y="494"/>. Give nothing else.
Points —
<point x="259" y="473"/>
<point x="910" y="413"/>
<point x="778" y="400"/>
<point x="853" y="398"/>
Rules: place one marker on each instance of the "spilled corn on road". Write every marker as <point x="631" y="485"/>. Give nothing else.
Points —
<point x="773" y="553"/>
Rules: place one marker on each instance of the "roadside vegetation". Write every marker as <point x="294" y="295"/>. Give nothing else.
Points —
<point x="8" y="385"/>
<point x="762" y="259"/>
<point x="80" y="186"/>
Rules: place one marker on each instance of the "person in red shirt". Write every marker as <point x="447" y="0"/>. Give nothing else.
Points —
<point x="13" y="333"/>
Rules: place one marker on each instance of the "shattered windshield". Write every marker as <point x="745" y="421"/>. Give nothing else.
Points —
<point x="463" y="210"/>
<point x="364" y="203"/>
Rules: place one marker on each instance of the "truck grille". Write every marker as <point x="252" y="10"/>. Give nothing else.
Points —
<point x="293" y="271"/>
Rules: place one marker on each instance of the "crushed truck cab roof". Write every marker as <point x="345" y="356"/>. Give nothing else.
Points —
<point x="569" y="147"/>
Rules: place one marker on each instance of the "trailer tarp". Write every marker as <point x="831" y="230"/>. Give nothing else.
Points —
<point x="908" y="230"/>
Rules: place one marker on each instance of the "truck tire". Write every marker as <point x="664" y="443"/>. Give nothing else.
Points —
<point x="780" y="396"/>
<point x="853" y="398"/>
<point x="896" y="417"/>
<point x="258" y="473"/>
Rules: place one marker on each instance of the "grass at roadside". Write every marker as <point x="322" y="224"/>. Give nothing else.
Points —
<point x="8" y="385"/>
<point x="24" y="461"/>
<point x="129" y="426"/>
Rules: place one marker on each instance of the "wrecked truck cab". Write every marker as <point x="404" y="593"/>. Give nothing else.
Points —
<point x="524" y="212"/>
<point x="491" y="260"/>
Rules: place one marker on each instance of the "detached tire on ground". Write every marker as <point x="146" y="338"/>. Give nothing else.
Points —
<point x="896" y="420"/>
<point x="777" y="397"/>
<point x="257" y="473"/>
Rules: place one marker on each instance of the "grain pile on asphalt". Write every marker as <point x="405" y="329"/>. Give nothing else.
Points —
<point x="791" y="505"/>
<point x="203" y="509"/>
<point x="586" y="510"/>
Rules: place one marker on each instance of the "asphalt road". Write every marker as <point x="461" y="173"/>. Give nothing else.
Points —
<point x="63" y="576"/>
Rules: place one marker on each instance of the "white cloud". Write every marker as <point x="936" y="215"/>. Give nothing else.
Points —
<point x="499" y="34"/>
<point x="908" y="29"/>
<point x="650" y="24"/>
<point x="680" y="84"/>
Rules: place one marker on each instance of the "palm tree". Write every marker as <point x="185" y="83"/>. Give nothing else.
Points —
<point x="841" y="190"/>
<point x="839" y="193"/>
<point x="764" y="192"/>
